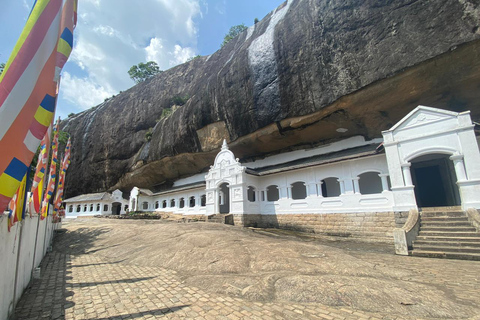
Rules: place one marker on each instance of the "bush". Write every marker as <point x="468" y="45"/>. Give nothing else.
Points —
<point x="179" y="100"/>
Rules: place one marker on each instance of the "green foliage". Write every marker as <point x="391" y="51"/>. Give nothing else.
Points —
<point x="233" y="32"/>
<point x="143" y="71"/>
<point x="179" y="100"/>
<point x="2" y="66"/>
<point x="149" y="134"/>
<point x="63" y="137"/>
<point x="165" y="113"/>
<point x="255" y="21"/>
<point x="193" y="58"/>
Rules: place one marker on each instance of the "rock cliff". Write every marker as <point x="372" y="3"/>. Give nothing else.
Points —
<point x="308" y="69"/>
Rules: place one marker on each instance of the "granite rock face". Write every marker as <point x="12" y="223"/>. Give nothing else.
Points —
<point x="292" y="80"/>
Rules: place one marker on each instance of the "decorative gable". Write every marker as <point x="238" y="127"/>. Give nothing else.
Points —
<point x="422" y="116"/>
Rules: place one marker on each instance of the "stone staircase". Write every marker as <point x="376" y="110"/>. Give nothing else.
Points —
<point x="446" y="233"/>
<point x="221" y="218"/>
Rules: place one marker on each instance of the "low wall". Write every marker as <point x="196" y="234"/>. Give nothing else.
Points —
<point x="18" y="250"/>
<point x="376" y="225"/>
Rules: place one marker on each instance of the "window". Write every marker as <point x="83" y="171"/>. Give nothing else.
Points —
<point x="182" y="203"/>
<point x="192" y="202"/>
<point x="78" y="208"/>
<point x="105" y="207"/>
<point x="299" y="190"/>
<point x="70" y="208"/>
<point x="164" y="204"/>
<point x="272" y="193"/>
<point x="330" y="187"/>
<point x="98" y="206"/>
<point x="91" y="207"/>
<point x="156" y="204"/>
<point x="251" y="194"/>
<point x="172" y="203"/>
<point x="126" y="208"/>
<point x="370" y="183"/>
<point x="203" y="200"/>
<point x="85" y="208"/>
<point x="145" y="205"/>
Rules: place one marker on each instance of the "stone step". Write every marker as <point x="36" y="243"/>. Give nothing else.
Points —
<point x="444" y="218"/>
<point x="446" y="255"/>
<point x="442" y="214"/>
<point x="450" y="249"/>
<point x="447" y="223"/>
<point x="448" y="229"/>
<point x="447" y="208"/>
<point x="448" y="242"/>
<point x="450" y="234"/>
<point x="442" y="237"/>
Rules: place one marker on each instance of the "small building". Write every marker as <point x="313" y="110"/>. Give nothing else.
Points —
<point x="430" y="158"/>
<point x="91" y="204"/>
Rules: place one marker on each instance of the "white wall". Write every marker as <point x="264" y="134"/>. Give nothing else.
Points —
<point x="19" y="244"/>
<point x="186" y="194"/>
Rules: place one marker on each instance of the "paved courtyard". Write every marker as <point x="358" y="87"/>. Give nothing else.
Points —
<point x="112" y="269"/>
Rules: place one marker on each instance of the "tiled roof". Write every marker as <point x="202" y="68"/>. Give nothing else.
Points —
<point x="90" y="197"/>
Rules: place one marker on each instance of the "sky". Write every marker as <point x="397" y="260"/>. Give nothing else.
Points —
<point x="113" y="35"/>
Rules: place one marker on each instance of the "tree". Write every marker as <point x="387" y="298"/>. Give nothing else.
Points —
<point x="2" y="66"/>
<point x="143" y="71"/>
<point x="233" y="32"/>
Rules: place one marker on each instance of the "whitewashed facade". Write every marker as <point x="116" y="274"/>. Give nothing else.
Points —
<point x="429" y="158"/>
<point x="91" y="204"/>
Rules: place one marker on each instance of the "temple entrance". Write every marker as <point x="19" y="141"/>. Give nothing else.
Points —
<point x="116" y="208"/>
<point x="223" y="198"/>
<point x="435" y="181"/>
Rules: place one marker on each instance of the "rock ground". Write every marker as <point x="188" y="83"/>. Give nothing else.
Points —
<point x="117" y="269"/>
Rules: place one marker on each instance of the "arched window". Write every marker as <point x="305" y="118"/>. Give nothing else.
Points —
<point x="91" y="207"/>
<point x="105" y="207"/>
<point x="192" y="201"/>
<point x="98" y="206"/>
<point x="156" y="204"/>
<point x="78" y="208"/>
<point x="85" y="208"/>
<point x="182" y="203"/>
<point x="203" y="200"/>
<point x="251" y="194"/>
<point x="299" y="190"/>
<point x="70" y="208"/>
<point x="125" y="208"/>
<point x="172" y="203"/>
<point x="330" y="187"/>
<point x="272" y="193"/>
<point x="164" y="204"/>
<point x="370" y="183"/>
<point x="145" y="205"/>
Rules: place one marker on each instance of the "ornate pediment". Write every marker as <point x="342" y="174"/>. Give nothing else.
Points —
<point x="422" y="116"/>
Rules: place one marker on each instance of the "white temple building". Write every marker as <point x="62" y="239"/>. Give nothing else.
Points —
<point x="430" y="158"/>
<point x="91" y="204"/>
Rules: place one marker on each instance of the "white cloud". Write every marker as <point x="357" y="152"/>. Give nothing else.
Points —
<point x="83" y="92"/>
<point x="110" y="38"/>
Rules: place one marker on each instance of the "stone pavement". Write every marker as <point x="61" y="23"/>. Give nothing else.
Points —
<point x="86" y="287"/>
<point x="91" y="275"/>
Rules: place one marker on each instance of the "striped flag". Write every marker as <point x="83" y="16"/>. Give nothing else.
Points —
<point x="39" y="178"/>
<point x="52" y="175"/>
<point x="61" y="179"/>
<point x="28" y="88"/>
<point x="16" y="204"/>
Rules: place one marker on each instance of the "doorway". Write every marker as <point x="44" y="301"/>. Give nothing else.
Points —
<point x="224" y="198"/>
<point x="435" y="181"/>
<point x="116" y="208"/>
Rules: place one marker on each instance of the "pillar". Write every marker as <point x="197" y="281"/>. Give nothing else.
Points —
<point x="383" y="177"/>
<point x="459" y="167"/>
<point x="356" y="186"/>
<point x="407" y="176"/>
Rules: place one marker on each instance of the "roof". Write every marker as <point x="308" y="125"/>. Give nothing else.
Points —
<point x="189" y="186"/>
<point x="145" y="191"/>
<point x="352" y="153"/>
<point x="90" y="197"/>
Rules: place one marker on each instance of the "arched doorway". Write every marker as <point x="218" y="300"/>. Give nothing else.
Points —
<point x="116" y="208"/>
<point x="223" y="198"/>
<point x="434" y="178"/>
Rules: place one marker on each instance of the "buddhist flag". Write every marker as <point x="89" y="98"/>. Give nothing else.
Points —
<point x="53" y="171"/>
<point x="28" y="88"/>
<point x="39" y="178"/>
<point x="61" y="179"/>
<point x="16" y="204"/>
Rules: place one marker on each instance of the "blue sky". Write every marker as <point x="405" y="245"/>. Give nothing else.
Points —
<point x="113" y="35"/>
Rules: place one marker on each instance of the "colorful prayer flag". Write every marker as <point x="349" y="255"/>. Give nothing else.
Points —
<point x="52" y="175"/>
<point x="61" y="180"/>
<point x="28" y="87"/>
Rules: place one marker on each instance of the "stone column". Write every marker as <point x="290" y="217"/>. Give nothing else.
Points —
<point x="407" y="176"/>
<point x="289" y="192"/>
<point x="283" y="192"/>
<point x="319" y="189"/>
<point x="342" y="186"/>
<point x="459" y="167"/>
<point x="356" y="186"/>
<point x="384" y="177"/>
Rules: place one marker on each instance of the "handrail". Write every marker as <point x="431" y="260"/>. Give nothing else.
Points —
<point x="403" y="237"/>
